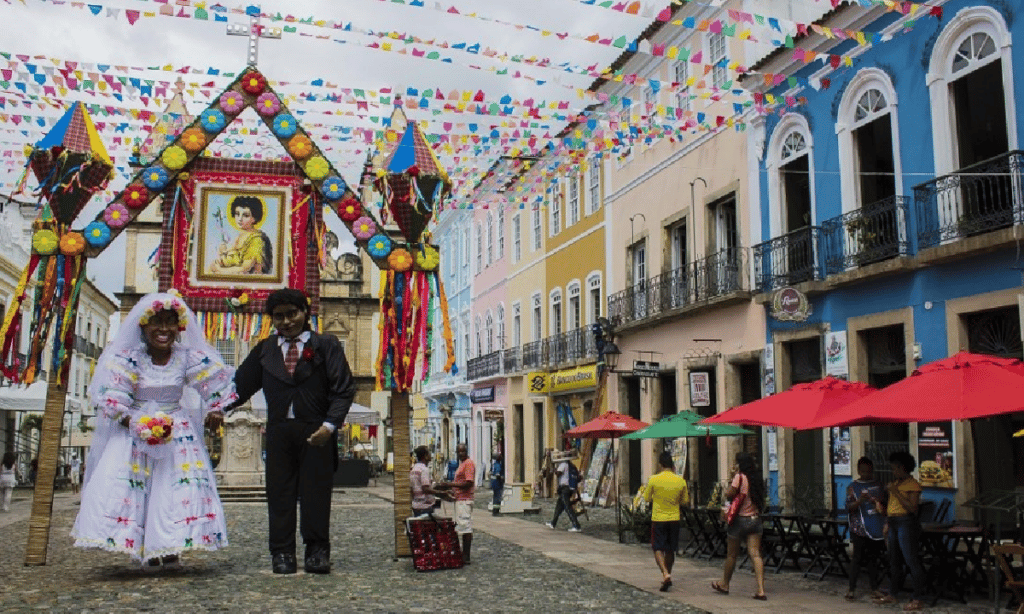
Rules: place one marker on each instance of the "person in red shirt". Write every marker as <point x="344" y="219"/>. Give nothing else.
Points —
<point x="463" y="487"/>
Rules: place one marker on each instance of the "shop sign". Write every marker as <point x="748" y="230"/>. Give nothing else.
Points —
<point x="790" y="305"/>
<point x="700" y="389"/>
<point x="646" y="368"/>
<point x="935" y="454"/>
<point x="493" y="415"/>
<point x="537" y="382"/>
<point x="574" y="379"/>
<point x="836" y="361"/>
<point x="482" y="395"/>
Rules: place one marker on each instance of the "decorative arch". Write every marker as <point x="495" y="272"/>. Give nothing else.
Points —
<point x="783" y="148"/>
<point x="868" y="97"/>
<point x="970" y="21"/>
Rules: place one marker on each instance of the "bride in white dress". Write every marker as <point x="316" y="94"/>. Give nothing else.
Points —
<point x="154" y="501"/>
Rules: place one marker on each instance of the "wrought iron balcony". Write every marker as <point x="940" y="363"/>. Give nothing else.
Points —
<point x="974" y="200"/>
<point x="873" y="233"/>
<point x="512" y="359"/>
<point x="573" y="346"/>
<point x="534" y="356"/>
<point x="719" y="274"/>
<point x="788" y="260"/>
<point x="484" y="366"/>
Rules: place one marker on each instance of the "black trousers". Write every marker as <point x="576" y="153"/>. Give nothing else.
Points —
<point x="298" y="471"/>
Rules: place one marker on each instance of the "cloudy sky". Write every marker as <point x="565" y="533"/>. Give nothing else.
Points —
<point x="72" y="32"/>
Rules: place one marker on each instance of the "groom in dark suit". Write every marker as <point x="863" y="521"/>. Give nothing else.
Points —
<point x="309" y="389"/>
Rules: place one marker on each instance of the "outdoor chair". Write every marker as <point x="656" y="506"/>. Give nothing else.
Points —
<point x="1005" y="554"/>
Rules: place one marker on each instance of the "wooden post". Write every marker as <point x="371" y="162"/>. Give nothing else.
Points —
<point x="402" y="465"/>
<point x="46" y="473"/>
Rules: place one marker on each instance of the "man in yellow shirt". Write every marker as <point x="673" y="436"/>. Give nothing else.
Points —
<point x="666" y="491"/>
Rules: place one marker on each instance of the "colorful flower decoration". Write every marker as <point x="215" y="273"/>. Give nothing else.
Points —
<point x="364" y="228"/>
<point x="159" y="305"/>
<point x="239" y="301"/>
<point x="349" y="210"/>
<point x="155" y="178"/>
<point x="334" y="188"/>
<point x="116" y="215"/>
<point x="307" y="354"/>
<point x="400" y="260"/>
<point x="300" y="147"/>
<point x="193" y="140"/>
<point x="317" y="167"/>
<point x="379" y="246"/>
<point x="413" y="171"/>
<point x="213" y="120"/>
<point x="72" y="244"/>
<point x="254" y="83"/>
<point x="268" y="104"/>
<point x="97" y="234"/>
<point x="174" y="157"/>
<point x="427" y="258"/>
<point x="136" y="196"/>
<point x="285" y="126"/>
<point x="155" y="430"/>
<point x="231" y="102"/>
<point x="44" y="242"/>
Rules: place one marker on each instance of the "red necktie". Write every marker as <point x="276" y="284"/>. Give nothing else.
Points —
<point x="291" y="356"/>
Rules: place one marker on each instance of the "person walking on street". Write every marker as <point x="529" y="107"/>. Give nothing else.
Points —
<point x="865" y="505"/>
<point x="75" y="473"/>
<point x="497" y="482"/>
<point x="568" y="480"/>
<point x="747" y="483"/>
<point x="464" y="489"/>
<point x="666" y="492"/>
<point x="423" y="494"/>
<point x="8" y="480"/>
<point x="309" y="389"/>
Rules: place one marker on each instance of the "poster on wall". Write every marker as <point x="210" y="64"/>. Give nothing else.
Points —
<point x="597" y="462"/>
<point x="935" y="454"/>
<point x="837" y="363"/>
<point x="679" y="450"/>
<point x="772" y="435"/>
<point x="700" y="389"/>
<point x="842" y="450"/>
<point x="768" y="371"/>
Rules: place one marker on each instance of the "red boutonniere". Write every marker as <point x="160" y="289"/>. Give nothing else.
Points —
<point x="307" y="354"/>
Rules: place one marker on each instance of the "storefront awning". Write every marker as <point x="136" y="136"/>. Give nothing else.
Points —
<point x="21" y="398"/>
<point x="361" y="414"/>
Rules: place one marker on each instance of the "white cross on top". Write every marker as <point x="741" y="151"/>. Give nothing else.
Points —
<point x="255" y="31"/>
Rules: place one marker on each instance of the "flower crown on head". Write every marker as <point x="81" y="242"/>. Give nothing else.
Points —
<point x="159" y="305"/>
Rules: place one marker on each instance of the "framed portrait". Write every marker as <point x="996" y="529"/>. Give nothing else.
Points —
<point x="240" y="234"/>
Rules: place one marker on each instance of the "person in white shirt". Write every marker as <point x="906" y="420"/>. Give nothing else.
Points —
<point x="568" y="479"/>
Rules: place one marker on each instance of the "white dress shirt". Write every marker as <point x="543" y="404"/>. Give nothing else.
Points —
<point x="300" y="343"/>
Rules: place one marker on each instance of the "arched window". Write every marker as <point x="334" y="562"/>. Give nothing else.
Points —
<point x="594" y="297"/>
<point x="556" y="312"/>
<point x="489" y="333"/>
<point x="791" y="176"/>
<point x="574" y="313"/>
<point x="868" y="140"/>
<point x="479" y="337"/>
<point x="501" y="327"/>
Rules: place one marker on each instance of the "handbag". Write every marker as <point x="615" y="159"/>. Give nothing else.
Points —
<point x="735" y="504"/>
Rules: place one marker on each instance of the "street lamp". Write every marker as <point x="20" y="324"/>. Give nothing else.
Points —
<point x="611" y="354"/>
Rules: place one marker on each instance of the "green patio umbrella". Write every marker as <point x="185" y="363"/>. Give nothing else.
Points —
<point x="684" y="424"/>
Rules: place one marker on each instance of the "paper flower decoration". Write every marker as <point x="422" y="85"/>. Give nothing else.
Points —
<point x="155" y="178"/>
<point x="268" y="104"/>
<point x="136" y="196"/>
<point x="379" y="246"/>
<point x="333" y="188"/>
<point x="116" y="215"/>
<point x="413" y="171"/>
<point x="231" y="102"/>
<point x="174" y="157"/>
<point x="285" y="126"/>
<point x="97" y="234"/>
<point x="427" y="259"/>
<point x="300" y="146"/>
<point x="44" y="242"/>
<point x="193" y="140"/>
<point x="349" y="210"/>
<point x="364" y="228"/>
<point x="317" y="167"/>
<point x="400" y="260"/>
<point x="155" y="430"/>
<point x="159" y="305"/>
<point x="239" y="301"/>
<point x="254" y="83"/>
<point x="72" y="244"/>
<point x="212" y="120"/>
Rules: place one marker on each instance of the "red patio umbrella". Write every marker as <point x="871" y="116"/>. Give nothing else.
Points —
<point x="609" y="425"/>
<point x="960" y="387"/>
<point x="797" y="407"/>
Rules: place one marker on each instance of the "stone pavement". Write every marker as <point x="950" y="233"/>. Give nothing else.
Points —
<point x="519" y="565"/>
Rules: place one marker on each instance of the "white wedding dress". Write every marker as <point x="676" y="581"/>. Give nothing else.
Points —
<point x="150" y="501"/>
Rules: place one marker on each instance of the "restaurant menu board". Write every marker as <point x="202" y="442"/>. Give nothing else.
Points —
<point x="935" y="454"/>
<point x="596" y="469"/>
<point x="607" y="493"/>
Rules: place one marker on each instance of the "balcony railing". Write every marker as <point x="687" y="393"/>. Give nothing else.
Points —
<point x="533" y="355"/>
<point x="512" y="359"/>
<point x="721" y="273"/>
<point x="487" y="365"/>
<point x="873" y="233"/>
<point x="788" y="260"/>
<point x="977" y="199"/>
<point x="572" y="346"/>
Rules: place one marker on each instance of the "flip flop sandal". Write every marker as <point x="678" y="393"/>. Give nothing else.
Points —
<point x="718" y="588"/>
<point x="665" y="584"/>
<point x="761" y="597"/>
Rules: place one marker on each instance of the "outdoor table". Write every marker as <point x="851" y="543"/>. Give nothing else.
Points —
<point x="954" y="555"/>
<point x="694" y="526"/>
<point x="716" y="532"/>
<point x="784" y="540"/>
<point x="825" y="541"/>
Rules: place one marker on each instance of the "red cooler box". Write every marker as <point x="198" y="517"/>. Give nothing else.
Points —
<point x="435" y="544"/>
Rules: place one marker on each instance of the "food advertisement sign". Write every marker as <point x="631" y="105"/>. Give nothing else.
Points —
<point x="935" y="454"/>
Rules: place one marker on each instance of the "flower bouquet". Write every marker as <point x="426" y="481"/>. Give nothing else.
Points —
<point x="155" y="431"/>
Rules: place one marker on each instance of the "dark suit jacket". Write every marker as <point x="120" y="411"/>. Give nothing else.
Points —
<point x="320" y="390"/>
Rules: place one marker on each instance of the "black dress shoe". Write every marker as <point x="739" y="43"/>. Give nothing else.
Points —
<point x="284" y="563"/>
<point x="318" y="562"/>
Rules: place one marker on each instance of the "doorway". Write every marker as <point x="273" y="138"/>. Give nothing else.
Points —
<point x="808" y="488"/>
<point x="750" y="390"/>
<point x="632" y="451"/>
<point x="799" y="241"/>
<point x="887" y="364"/>
<point x="538" y="436"/>
<point x="669" y="400"/>
<point x="518" y="451"/>
<point x="707" y="447"/>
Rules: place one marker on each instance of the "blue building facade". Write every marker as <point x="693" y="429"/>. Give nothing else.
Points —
<point x="893" y="201"/>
